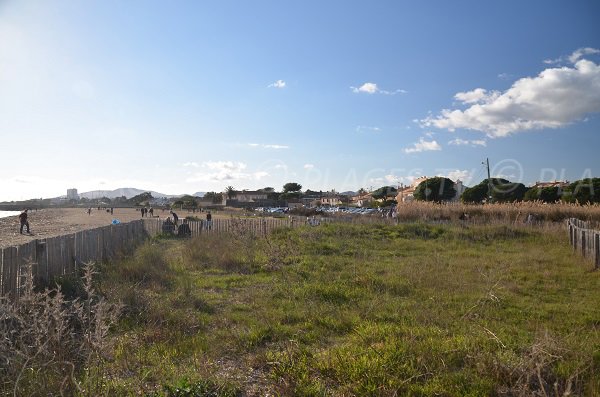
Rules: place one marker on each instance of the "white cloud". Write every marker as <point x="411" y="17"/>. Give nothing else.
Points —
<point x="224" y="165"/>
<point x="463" y="175"/>
<point x="309" y="166"/>
<point x="475" y="96"/>
<point x="553" y="99"/>
<point x="579" y="53"/>
<point x="277" y="84"/>
<point x="392" y="180"/>
<point x="465" y="142"/>
<point x="364" y="128"/>
<point x="226" y="171"/>
<point x="574" y="57"/>
<point x="191" y="164"/>
<point x="264" y="146"/>
<point x="371" y="88"/>
<point x="423" y="146"/>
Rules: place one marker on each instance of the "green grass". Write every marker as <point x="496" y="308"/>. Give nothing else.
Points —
<point x="369" y="310"/>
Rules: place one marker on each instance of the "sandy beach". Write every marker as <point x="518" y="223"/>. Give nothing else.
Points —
<point x="59" y="221"/>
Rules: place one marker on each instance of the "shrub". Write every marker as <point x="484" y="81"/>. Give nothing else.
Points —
<point x="148" y="265"/>
<point x="49" y="345"/>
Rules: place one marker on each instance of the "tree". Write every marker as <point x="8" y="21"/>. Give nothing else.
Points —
<point x="549" y="194"/>
<point x="141" y="198"/>
<point x="292" y="187"/>
<point x="435" y="189"/>
<point x="230" y="191"/>
<point x="214" y="197"/>
<point x="479" y="192"/>
<point x="583" y="191"/>
<point x="187" y="201"/>
<point x="267" y="190"/>
<point x="362" y="191"/>
<point x="384" y="192"/>
<point x="508" y="192"/>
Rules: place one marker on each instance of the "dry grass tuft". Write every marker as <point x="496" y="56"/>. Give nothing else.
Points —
<point x="500" y="212"/>
<point x="46" y="339"/>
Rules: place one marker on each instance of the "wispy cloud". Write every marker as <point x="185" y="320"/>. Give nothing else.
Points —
<point x="553" y="99"/>
<point x="466" y="142"/>
<point x="372" y="88"/>
<point x="574" y="57"/>
<point x="225" y="171"/>
<point x="269" y="146"/>
<point x="423" y="146"/>
<point x="364" y="128"/>
<point x="390" y="179"/>
<point x="505" y="76"/>
<point x="309" y="166"/>
<point x="277" y="84"/>
<point x="463" y="175"/>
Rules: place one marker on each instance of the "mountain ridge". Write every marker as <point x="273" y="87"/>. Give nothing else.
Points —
<point x="129" y="192"/>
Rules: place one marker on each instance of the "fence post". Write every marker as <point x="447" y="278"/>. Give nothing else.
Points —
<point x="597" y="250"/>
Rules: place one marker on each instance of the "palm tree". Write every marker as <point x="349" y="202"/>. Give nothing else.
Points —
<point x="230" y="192"/>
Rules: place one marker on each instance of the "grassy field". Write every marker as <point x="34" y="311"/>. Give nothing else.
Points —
<point x="357" y="310"/>
<point x="334" y="310"/>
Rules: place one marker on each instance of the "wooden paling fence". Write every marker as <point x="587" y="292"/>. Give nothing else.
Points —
<point x="256" y="226"/>
<point x="585" y="239"/>
<point x="63" y="255"/>
<point x="58" y="256"/>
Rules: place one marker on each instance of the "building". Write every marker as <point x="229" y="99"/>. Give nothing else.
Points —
<point x="72" y="194"/>
<point x="331" y="199"/>
<point x="362" y="200"/>
<point x="559" y="184"/>
<point x="246" y="198"/>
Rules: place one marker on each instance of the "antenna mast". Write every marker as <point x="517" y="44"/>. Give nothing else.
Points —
<point x="489" y="195"/>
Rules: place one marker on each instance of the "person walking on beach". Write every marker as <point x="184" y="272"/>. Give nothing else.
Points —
<point x="23" y="221"/>
<point x="208" y="220"/>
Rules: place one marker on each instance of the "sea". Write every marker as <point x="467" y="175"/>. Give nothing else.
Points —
<point x="4" y="214"/>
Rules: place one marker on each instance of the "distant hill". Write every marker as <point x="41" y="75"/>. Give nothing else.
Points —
<point x="349" y="193"/>
<point x="129" y="192"/>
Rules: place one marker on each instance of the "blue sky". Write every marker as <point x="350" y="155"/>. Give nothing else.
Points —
<point x="190" y="96"/>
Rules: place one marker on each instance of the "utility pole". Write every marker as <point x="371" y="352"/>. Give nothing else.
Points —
<point x="489" y="195"/>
